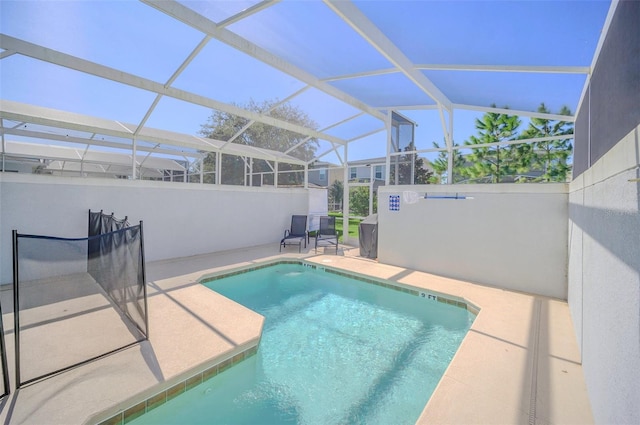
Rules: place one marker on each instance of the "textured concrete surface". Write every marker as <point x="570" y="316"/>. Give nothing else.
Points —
<point x="518" y="364"/>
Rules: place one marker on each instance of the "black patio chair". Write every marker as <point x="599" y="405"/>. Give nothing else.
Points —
<point x="297" y="234"/>
<point x="327" y="232"/>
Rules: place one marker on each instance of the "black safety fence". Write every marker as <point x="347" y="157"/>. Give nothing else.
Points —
<point x="77" y="299"/>
<point x="106" y="269"/>
<point x="101" y="223"/>
<point x="3" y="361"/>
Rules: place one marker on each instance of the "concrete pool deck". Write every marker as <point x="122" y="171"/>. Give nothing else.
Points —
<point x="519" y="364"/>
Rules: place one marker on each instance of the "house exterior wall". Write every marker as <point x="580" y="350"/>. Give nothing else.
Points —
<point x="180" y="219"/>
<point x="604" y="225"/>
<point x="362" y="174"/>
<point x="336" y="174"/>
<point x="604" y="280"/>
<point x="318" y="177"/>
<point x="512" y="236"/>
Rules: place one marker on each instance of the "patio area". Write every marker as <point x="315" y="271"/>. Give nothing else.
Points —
<point x="519" y="362"/>
<point x="496" y="143"/>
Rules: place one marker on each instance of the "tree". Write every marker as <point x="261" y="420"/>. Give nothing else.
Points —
<point x="441" y="165"/>
<point x="492" y="163"/>
<point x="336" y="192"/>
<point x="408" y="164"/>
<point x="359" y="201"/>
<point x="549" y="159"/>
<point x="223" y="126"/>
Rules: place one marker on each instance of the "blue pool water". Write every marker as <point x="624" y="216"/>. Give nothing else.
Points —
<point x="334" y="350"/>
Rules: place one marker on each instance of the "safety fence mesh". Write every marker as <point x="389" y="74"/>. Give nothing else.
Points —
<point x="4" y="384"/>
<point x="77" y="299"/>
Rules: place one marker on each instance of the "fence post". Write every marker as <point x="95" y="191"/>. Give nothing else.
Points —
<point x="16" y="306"/>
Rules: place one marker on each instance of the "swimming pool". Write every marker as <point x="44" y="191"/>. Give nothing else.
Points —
<point x="333" y="350"/>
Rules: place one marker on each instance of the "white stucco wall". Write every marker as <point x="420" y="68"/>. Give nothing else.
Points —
<point x="179" y="219"/>
<point x="512" y="236"/>
<point x="604" y="280"/>
<point x="318" y="207"/>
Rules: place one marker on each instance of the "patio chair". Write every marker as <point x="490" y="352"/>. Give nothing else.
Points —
<point x="327" y="232"/>
<point x="297" y="234"/>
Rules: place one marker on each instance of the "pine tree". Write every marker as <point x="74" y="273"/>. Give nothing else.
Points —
<point x="550" y="159"/>
<point x="441" y="165"/>
<point x="491" y="164"/>
<point x="407" y="164"/>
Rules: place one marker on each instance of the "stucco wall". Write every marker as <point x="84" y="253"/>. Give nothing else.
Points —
<point x="512" y="236"/>
<point x="604" y="280"/>
<point x="604" y="224"/>
<point x="179" y="219"/>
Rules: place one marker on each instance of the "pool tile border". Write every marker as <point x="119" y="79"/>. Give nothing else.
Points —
<point x="158" y="399"/>
<point x="434" y="296"/>
<point x="138" y="409"/>
<point x="234" y="272"/>
<point x="430" y="295"/>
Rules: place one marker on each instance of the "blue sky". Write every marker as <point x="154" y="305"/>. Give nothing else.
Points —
<point x="140" y="40"/>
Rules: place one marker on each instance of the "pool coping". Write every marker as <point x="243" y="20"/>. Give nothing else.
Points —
<point x="140" y="404"/>
<point x="169" y="390"/>
<point x="408" y="289"/>
<point x="519" y="363"/>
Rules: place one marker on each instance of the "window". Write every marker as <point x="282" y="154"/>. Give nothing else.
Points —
<point x="378" y="172"/>
<point x="323" y="174"/>
<point x="352" y="173"/>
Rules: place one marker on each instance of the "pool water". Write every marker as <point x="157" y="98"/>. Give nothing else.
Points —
<point x="334" y="350"/>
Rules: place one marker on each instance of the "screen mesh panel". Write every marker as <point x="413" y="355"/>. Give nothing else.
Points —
<point x="77" y="299"/>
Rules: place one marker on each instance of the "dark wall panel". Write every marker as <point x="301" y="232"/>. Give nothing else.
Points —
<point x="581" y="138"/>
<point x="615" y="86"/>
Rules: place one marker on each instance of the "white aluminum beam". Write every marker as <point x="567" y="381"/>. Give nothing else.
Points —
<point x="134" y="168"/>
<point x="297" y="145"/>
<point x="357" y="20"/>
<point x="141" y="163"/>
<point x="247" y="12"/>
<point x="514" y="142"/>
<point x="349" y="141"/>
<point x="443" y="123"/>
<point x="170" y="81"/>
<point x="199" y="22"/>
<point x="555" y="117"/>
<point x="3" y="146"/>
<point x="323" y="130"/>
<point x="66" y="120"/>
<point x="92" y="142"/>
<point x="408" y="107"/>
<point x="346" y="120"/>
<point x="6" y="54"/>
<point x="82" y="65"/>
<point x="450" y="142"/>
<point x="507" y="68"/>
<point x="73" y="155"/>
<point x="327" y="152"/>
<point x="275" y="105"/>
<point x="363" y="74"/>
<point x="368" y="133"/>
<point x="486" y="68"/>
<point x="86" y="149"/>
<point x="418" y="151"/>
